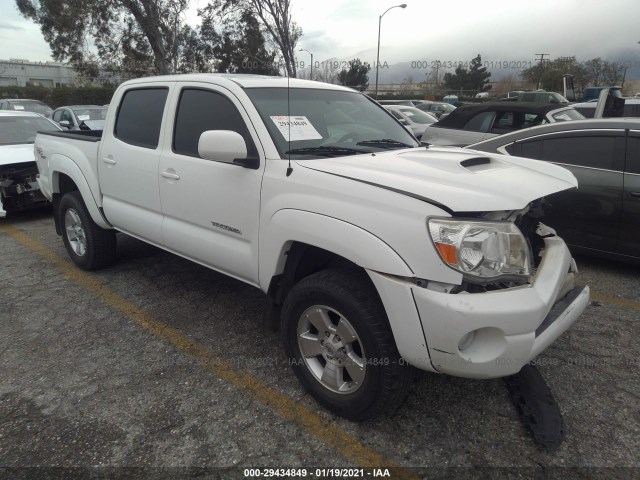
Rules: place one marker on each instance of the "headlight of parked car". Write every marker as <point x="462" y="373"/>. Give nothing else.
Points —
<point x="482" y="251"/>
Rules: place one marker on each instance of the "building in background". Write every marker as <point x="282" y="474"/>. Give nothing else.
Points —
<point x="22" y="73"/>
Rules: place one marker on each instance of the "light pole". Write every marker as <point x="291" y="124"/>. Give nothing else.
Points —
<point x="404" y="5"/>
<point x="305" y="50"/>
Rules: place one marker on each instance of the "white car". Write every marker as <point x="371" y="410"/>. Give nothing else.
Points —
<point x="631" y="108"/>
<point x="414" y="119"/>
<point x="18" y="186"/>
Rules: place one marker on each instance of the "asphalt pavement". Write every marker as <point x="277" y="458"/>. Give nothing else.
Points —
<point x="158" y="366"/>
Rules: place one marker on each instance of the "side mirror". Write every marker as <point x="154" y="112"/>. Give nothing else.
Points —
<point x="225" y="146"/>
<point x="403" y="121"/>
<point x="65" y="124"/>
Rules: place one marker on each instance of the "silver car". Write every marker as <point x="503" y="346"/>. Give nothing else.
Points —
<point x="80" y="117"/>
<point x="416" y="120"/>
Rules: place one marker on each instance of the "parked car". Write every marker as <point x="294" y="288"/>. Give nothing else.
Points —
<point x="18" y="187"/>
<point x="408" y="103"/>
<point x="541" y="97"/>
<point x="80" y="117"/>
<point x="415" y="119"/>
<point x="373" y="252"/>
<point x="509" y="96"/>
<point x="439" y="109"/>
<point x="26" y="105"/>
<point x="473" y="123"/>
<point x="603" y="215"/>
<point x="592" y="93"/>
<point x="631" y="108"/>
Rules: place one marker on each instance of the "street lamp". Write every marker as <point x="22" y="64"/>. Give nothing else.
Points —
<point x="305" y="50"/>
<point x="404" y="5"/>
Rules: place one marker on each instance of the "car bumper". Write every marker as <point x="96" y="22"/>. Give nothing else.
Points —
<point x="496" y="333"/>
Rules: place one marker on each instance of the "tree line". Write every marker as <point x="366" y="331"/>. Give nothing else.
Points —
<point x="142" y="37"/>
<point x="594" y="72"/>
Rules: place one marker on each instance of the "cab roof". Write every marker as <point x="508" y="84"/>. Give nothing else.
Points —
<point x="241" y="80"/>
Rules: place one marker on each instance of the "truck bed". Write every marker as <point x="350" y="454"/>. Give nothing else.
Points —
<point x="84" y="135"/>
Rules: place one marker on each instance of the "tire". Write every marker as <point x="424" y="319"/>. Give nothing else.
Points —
<point x="89" y="246"/>
<point x="340" y="345"/>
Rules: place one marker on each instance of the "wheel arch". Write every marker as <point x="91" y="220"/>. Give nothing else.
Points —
<point x="67" y="177"/>
<point x="317" y="242"/>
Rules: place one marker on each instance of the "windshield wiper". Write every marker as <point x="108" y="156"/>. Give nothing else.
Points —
<point x="384" y="143"/>
<point x="328" y="150"/>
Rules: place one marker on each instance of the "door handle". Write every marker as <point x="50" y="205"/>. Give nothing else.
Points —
<point x="171" y="176"/>
<point x="635" y="194"/>
<point x="109" y="161"/>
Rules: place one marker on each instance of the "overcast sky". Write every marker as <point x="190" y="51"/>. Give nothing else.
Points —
<point x="427" y="30"/>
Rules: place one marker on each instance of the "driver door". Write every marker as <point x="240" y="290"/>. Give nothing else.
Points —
<point x="210" y="209"/>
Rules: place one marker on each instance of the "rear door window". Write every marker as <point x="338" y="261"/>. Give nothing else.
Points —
<point x="140" y="116"/>
<point x="632" y="164"/>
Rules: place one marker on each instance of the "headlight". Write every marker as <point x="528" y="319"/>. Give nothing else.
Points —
<point x="481" y="250"/>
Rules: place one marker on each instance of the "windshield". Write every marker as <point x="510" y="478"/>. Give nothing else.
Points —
<point x="417" y="116"/>
<point x="83" y="114"/>
<point x="23" y="129"/>
<point x="322" y="123"/>
<point x="567" y="114"/>
<point x="31" y="106"/>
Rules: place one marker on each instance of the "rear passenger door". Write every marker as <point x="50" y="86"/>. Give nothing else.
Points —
<point x="210" y="209"/>
<point x="589" y="216"/>
<point x="630" y="225"/>
<point x="128" y="163"/>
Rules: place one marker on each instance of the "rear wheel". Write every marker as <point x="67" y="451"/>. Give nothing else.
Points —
<point x="89" y="246"/>
<point x="340" y="345"/>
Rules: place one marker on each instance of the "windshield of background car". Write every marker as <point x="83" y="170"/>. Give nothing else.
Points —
<point x="418" y="116"/>
<point x="568" y="114"/>
<point x="90" y="114"/>
<point x="18" y="129"/>
<point x="35" y="107"/>
<point x="325" y="123"/>
<point x="447" y="107"/>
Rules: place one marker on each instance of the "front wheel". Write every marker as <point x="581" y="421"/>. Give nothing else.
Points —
<point x="89" y="246"/>
<point x="340" y="345"/>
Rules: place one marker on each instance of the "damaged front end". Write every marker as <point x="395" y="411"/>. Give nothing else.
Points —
<point x="18" y="188"/>
<point x="492" y="250"/>
<point x="517" y="294"/>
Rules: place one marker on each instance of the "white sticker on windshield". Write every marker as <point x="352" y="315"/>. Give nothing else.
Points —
<point x="82" y="118"/>
<point x="18" y="107"/>
<point x="299" y="127"/>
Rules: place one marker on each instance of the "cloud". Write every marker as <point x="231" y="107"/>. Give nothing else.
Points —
<point x="9" y="26"/>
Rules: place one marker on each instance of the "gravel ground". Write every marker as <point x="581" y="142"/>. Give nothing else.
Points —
<point x="161" y="366"/>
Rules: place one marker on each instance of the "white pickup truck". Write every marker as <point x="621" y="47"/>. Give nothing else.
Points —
<point x="378" y="254"/>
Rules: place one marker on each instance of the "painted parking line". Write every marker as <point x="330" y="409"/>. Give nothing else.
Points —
<point x="345" y="444"/>
<point x="621" y="302"/>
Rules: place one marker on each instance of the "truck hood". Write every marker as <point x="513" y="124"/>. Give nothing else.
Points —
<point x="459" y="180"/>
<point x="19" y="153"/>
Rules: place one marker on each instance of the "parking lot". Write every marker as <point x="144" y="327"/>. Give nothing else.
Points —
<point x="158" y="362"/>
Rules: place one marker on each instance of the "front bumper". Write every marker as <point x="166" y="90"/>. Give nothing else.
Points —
<point x="504" y="329"/>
